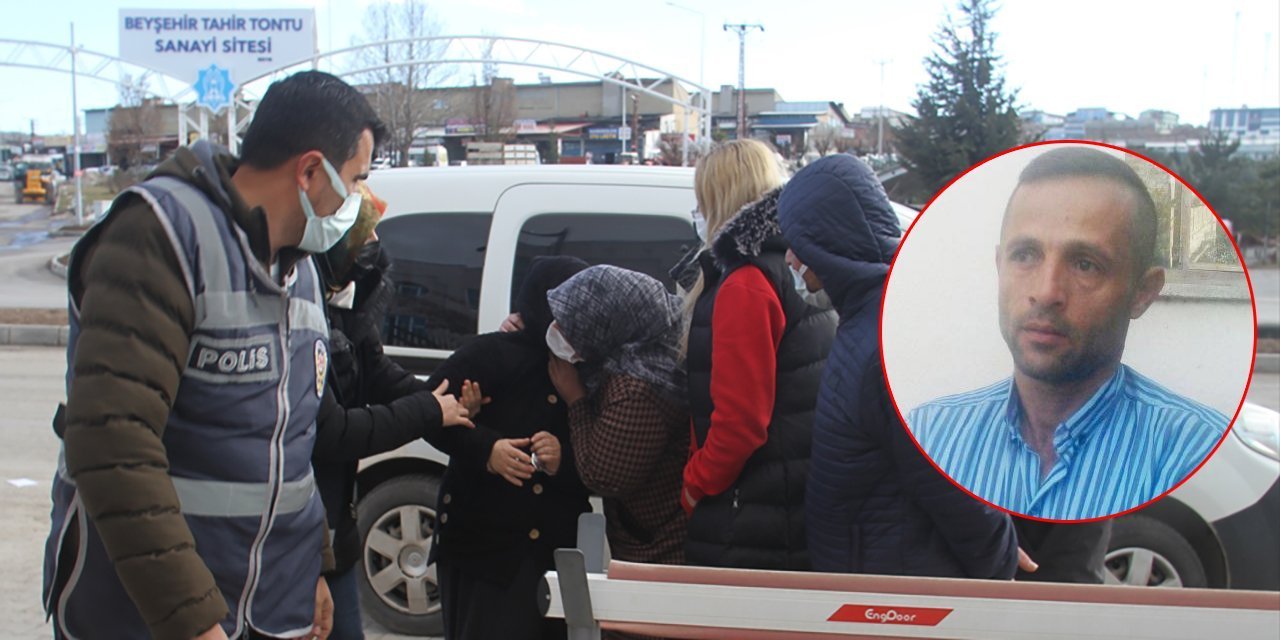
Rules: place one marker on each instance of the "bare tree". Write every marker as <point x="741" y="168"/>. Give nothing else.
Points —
<point x="825" y="137"/>
<point x="134" y="124"/>
<point x="495" y="109"/>
<point x="400" y="70"/>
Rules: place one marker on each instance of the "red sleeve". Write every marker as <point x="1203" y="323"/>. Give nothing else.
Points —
<point x="746" y="328"/>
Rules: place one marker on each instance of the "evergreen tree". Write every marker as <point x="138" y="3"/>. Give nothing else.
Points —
<point x="964" y="113"/>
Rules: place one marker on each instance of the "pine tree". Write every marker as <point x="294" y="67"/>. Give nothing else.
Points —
<point x="964" y="113"/>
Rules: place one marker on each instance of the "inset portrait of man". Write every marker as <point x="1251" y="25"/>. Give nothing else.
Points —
<point x="1074" y="433"/>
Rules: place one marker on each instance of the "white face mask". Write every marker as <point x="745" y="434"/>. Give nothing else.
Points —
<point x="700" y="225"/>
<point x="559" y="346"/>
<point x="321" y="234"/>
<point x="818" y="299"/>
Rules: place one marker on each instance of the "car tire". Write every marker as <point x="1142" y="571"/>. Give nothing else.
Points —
<point x="398" y="587"/>
<point x="1146" y="552"/>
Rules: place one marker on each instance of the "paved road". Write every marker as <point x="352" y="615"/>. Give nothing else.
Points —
<point x="1266" y="292"/>
<point x="31" y="385"/>
<point x="25" y="249"/>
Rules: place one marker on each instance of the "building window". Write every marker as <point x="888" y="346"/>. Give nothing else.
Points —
<point x="645" y="243"/>
<point x="437" y="264"/>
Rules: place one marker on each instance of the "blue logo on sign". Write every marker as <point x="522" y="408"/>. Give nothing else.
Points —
<point x="213" y="88"/>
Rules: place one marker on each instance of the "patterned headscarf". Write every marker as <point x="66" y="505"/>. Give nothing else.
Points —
<point x="624" y="323"/>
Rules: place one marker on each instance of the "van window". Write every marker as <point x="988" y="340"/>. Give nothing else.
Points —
<point x="438" y="260"/>
<point x="645" y="243"/>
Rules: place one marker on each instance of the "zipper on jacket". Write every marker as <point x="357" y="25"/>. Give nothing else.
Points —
<point x="276" y="472"/>
<point x="735" y="498"/>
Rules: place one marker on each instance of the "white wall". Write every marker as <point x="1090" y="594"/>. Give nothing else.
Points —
<point x="940" y="319"/>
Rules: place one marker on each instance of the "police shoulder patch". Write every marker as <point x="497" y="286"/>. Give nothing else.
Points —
<point x="322" y="365"/>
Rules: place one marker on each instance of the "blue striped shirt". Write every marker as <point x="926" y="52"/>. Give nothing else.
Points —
<point x="1129" y="443"/>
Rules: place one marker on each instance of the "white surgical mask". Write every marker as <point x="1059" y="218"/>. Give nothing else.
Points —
<point x="818" y="299"/>
<point x="700" y="225"/>
<point x="559" y="346"/>
<point x="321" y="234"/>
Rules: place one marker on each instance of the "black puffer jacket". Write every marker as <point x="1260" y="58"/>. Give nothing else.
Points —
<point x="759" y="522"/>
<point x="370" y="405"/>
<point x="486" y="525"/>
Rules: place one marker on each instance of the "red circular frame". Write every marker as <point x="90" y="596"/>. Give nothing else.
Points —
<point x="1253" y="305"/>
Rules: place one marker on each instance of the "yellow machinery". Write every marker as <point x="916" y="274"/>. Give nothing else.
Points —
<point x="39" y="183"/>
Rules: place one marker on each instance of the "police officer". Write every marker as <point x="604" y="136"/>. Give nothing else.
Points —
<point x="184" y="502"/>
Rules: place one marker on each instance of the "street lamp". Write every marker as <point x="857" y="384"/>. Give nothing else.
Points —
<point x="702" y="71"/>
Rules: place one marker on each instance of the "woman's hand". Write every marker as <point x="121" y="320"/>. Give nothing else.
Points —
<point x="1025" y="563"/>
<point x="452" y="413"/>
<point x="547" y="448"/>
<point x="472" y="400"/>
<point x="506" y="459"/>
<point x="564" y="376"/>
<point x="512" y="324"/>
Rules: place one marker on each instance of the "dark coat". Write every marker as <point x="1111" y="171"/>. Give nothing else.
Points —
<point x="874" y="503"/>
<point x="486" y="525"/>
<point x="759" y="522"/>
<point x="1066" y="552"/>
<point x="371" y="405"/>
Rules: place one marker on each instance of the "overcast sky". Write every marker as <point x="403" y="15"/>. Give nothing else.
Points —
<point x="1128" y="56"/>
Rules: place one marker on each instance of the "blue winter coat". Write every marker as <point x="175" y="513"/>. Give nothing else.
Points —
<point x="874" y="503"/>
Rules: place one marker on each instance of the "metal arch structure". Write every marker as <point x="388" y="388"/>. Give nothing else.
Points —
<point x="539" y="54"/>
<point x="466" y="49"/>
<point x="47" y="56"/>
<point x="95" y="65"/>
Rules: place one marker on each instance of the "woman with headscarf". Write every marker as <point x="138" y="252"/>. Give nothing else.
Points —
<point x="511" y="494"/>
<point x="625" y="393"/>
<point x="755" y="353"/>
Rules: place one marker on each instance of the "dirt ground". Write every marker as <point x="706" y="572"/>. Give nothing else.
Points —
<point x="33" y="316"/>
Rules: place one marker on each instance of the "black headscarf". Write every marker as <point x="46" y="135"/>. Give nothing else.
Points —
<point x="545" y="274"/>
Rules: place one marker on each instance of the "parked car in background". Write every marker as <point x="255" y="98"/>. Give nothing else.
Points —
<point x="1221" y="528"/>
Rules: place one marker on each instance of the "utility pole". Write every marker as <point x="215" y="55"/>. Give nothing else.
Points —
<point x="880" y="112"/>
<point x="742" y="73"/>
<point x="635" y="123"/>
<point x="75" y="118"/>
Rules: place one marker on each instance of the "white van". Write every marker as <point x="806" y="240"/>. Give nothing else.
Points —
<point x="462" y="239"/>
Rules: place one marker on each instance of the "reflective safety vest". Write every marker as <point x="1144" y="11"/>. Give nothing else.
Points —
<point x="239" y="438"/>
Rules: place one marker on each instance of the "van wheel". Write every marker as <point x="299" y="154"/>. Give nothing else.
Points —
<point x="1145" y="552"/>
<point x="398" y="588"/>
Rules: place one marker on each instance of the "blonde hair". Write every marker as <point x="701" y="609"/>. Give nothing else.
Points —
<point x="729" y="177"/>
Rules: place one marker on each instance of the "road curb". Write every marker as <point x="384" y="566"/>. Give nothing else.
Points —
<point x="57" y="267"/>
<point x="34" y="335"/>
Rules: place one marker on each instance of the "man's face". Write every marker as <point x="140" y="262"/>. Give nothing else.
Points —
<point x="324" y="194"/>
<point x="1067" y="277"/>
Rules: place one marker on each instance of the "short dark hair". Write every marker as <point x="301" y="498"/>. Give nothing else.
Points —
<point x="1084" y="162"/>
<point x="310" y="110"/>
